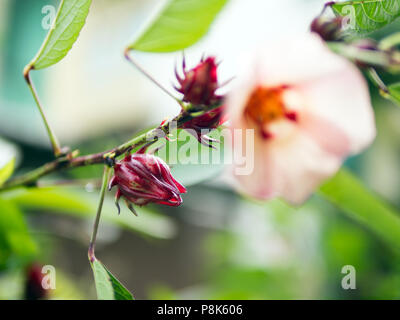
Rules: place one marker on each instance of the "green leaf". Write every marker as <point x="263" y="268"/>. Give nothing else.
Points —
<point x="6" y="171"/>
<point x="368" y="15"/>
<point x="180" y="24"/>
<point x="107" y="286"/>
<point x="190" y="161"/>
<point x="349" y="194"/>
<point x="8" y="153"/>
<point x="68" y="23"/>
<point x="15" y="240"/>
<point x="394" y="91"/>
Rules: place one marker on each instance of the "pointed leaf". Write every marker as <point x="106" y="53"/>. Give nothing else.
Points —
<point x="107" y="286"/>
<point x="368" y="15"/>
<point x="178" y="25"/>
<point x="68" y="23"/>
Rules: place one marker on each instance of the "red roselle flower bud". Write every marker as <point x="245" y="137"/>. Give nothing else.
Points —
<point x="328" y="29"/>
<point x="142" y="178"/>
<point x="33" y="285"/>
<point x="198" y="85"/>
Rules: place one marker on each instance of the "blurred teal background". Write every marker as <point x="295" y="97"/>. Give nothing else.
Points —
<point x="217" y="245"/>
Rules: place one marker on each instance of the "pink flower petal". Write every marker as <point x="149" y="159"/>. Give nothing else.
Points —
<point x="342" y="98"/>
<point x="328" y="135"/>
<point x="292" y="170"/>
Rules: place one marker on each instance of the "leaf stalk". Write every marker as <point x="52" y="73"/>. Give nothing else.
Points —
<point x="53" y="139"/>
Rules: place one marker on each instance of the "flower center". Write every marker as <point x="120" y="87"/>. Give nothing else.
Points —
<point x="266" y="105"/>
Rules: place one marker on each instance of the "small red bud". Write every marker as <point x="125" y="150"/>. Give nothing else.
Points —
<point x="143" y="178"/>
<point x="328" y="30"/>
<point x="198" y="85"/>
<point x="33" y="285"/>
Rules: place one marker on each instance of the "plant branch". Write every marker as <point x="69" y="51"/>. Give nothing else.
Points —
<point x="70" y="162"/>
<point x="53" y="139"/>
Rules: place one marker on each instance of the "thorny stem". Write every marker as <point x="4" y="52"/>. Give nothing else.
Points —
<point x="106" y="176"/>
<point x="68" y="162"/>
<point x="54" y="142"/>
<point x="149" y="76"/>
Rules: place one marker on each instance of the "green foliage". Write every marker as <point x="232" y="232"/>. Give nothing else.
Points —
<point x="69" y="21"/>
<point x="107" y="286"/>
<point x="6" y="171"/>
<point x="69" y="201"/>
<point x="349" y="194"/>
<point x="180" y="24"/>
<point x="368" y="15"/>
<point x="8" y="154"/>
<point x="16" y="244"/>
<point x="394" y="91"/>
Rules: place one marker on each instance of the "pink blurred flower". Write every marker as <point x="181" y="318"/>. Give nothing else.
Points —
<point x="310" y="109"/>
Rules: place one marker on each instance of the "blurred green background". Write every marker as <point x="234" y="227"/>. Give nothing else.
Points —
<point x="217" y="245"/>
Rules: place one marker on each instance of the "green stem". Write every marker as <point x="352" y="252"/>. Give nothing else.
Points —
<point x="370" y="57"/>
<point x="54" y="142"/>
<point x="377" y="81"/>
<point x="91" y="251"/>
<point x="149" y="76"/>
<point x="390" y="41"/>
